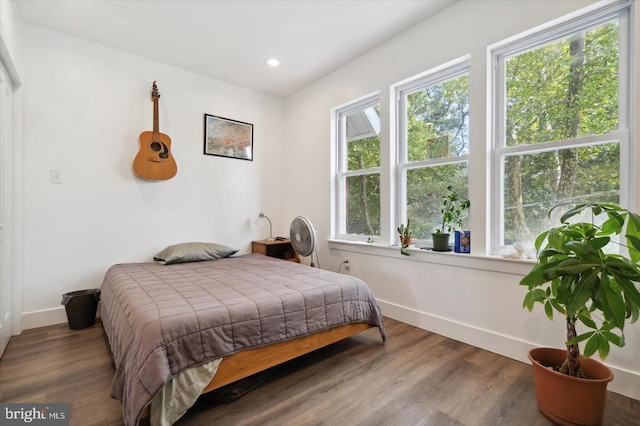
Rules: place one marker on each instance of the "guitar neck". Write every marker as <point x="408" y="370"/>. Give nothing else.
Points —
<point x="156" y="125"/>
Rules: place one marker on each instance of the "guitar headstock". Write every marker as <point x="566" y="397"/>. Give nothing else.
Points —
<point x="154" y="92"/>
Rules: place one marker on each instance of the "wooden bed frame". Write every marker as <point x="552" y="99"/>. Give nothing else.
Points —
<point x="251" y="361"/>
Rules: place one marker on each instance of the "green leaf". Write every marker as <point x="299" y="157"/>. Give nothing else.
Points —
<point x="585" y="251"/>
<point x="554" y="286"/>
<point x="634" y="247"/>
<point x="536" y="277"/>
<point x="633" y="312"/>
<point x="633" y="237"/>
<point x="577" y="209"/>
<point x="547" y="253"/>
<point x="581" y="338"/>
<point x="592" y="346"/>
<point x="586" y="320"/>
<point x="573" y="232"/>
<point x="598" y="243"/>
<point x="613" y="338"/>
<point x="559" y="307"/>
<point x="568" y="267"/>
<point x="540" y="239"/>
<point x="613" y="225"/>
<point x="583" y="291"/>
<point x="564" y="287"/>
<point x="631" y="293"/>
<point x="616" y="307"/>
<point x="548" y="310"/>
<point x="603" y="347"/>
<point x="555" y="239"/>
<point x="533" y="296"/>
<point x="607" y="326"/>
<point x="528" y="301"/>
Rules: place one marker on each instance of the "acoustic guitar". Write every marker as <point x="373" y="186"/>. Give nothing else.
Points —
<point x="154" y="160"/>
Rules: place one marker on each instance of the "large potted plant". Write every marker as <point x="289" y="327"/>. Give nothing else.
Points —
<point x="577" y="276"/>
<point x="453" y="210"/>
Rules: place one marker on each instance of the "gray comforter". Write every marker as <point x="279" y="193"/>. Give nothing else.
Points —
<point x="162" y="319"/>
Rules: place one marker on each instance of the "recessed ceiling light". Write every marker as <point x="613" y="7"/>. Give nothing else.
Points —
<point x="273" y="62"/>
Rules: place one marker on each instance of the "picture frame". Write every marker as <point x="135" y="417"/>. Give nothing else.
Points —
<point x="225" y="137"/>
<point x="462" y="242"/>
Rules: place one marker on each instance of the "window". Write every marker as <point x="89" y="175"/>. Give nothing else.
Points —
<point x="433" y="141"/>
<point x="358" y="169"/>
<point x="561" y="122"/>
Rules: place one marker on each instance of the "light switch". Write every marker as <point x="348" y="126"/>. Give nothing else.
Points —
<point x="55" y="175"/>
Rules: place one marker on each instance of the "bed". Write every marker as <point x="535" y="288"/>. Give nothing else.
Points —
<point x="222" y="320"/>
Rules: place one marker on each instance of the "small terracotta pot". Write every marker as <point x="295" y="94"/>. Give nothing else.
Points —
<point x="406" y="241"/>
<point x="568" y="400"/>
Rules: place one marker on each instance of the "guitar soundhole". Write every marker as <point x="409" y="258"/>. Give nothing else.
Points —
<point x="157" y="146"/>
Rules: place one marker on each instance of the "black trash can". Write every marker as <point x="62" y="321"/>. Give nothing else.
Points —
<point x="81" y="307"/>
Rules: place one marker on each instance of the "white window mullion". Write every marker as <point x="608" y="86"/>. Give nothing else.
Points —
<point x="369" y="171"/>
<point x="625" y="109"/>
<point x="615" y="136"/>
<point x="498" y="201"/>
<point x="499" y="99"/>
<point x="626" y="171"/>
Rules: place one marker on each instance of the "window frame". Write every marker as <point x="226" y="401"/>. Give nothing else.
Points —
<point x="498" y="54"/>
<point x="341" y="172"/>
<point x="440" y="74"/>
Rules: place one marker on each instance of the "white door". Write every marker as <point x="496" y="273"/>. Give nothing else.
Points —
<point x="6" y="219"/>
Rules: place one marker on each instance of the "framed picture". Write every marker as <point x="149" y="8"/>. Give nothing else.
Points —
<point x="228" y="138"/>
<point x="462" y="242"/>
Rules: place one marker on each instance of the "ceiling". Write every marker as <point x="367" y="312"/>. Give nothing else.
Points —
<point x="230" y="40"/>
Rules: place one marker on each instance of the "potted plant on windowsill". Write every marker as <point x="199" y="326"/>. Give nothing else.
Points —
<point x="575" y="277"/>
<point x="405" y="237"/>
<point x="453" y="210"/>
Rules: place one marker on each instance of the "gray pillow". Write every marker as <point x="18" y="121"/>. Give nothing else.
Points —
<point x="193" y="252"/>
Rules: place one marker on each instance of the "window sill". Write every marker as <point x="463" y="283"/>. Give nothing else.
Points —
<point x="465" y="260"/>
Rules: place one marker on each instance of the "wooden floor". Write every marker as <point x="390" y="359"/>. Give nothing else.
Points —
<point x="417" y="378"/>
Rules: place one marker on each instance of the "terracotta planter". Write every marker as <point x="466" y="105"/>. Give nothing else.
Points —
<point x="567" y="400"/>
<point x="406" y="241"/>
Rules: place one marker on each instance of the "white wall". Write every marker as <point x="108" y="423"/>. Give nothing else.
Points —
<point x="470" y="298"/>
<point x="85" y="107"/>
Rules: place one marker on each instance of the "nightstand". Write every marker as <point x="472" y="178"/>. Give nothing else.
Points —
<point x="280" y="249"/>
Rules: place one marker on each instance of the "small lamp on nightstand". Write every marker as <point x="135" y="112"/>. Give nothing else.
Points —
<point x="264" y="216"/>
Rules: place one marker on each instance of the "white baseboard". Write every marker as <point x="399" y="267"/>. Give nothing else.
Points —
<point x="625" y="382"/>
<point x="43" y="318"/>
